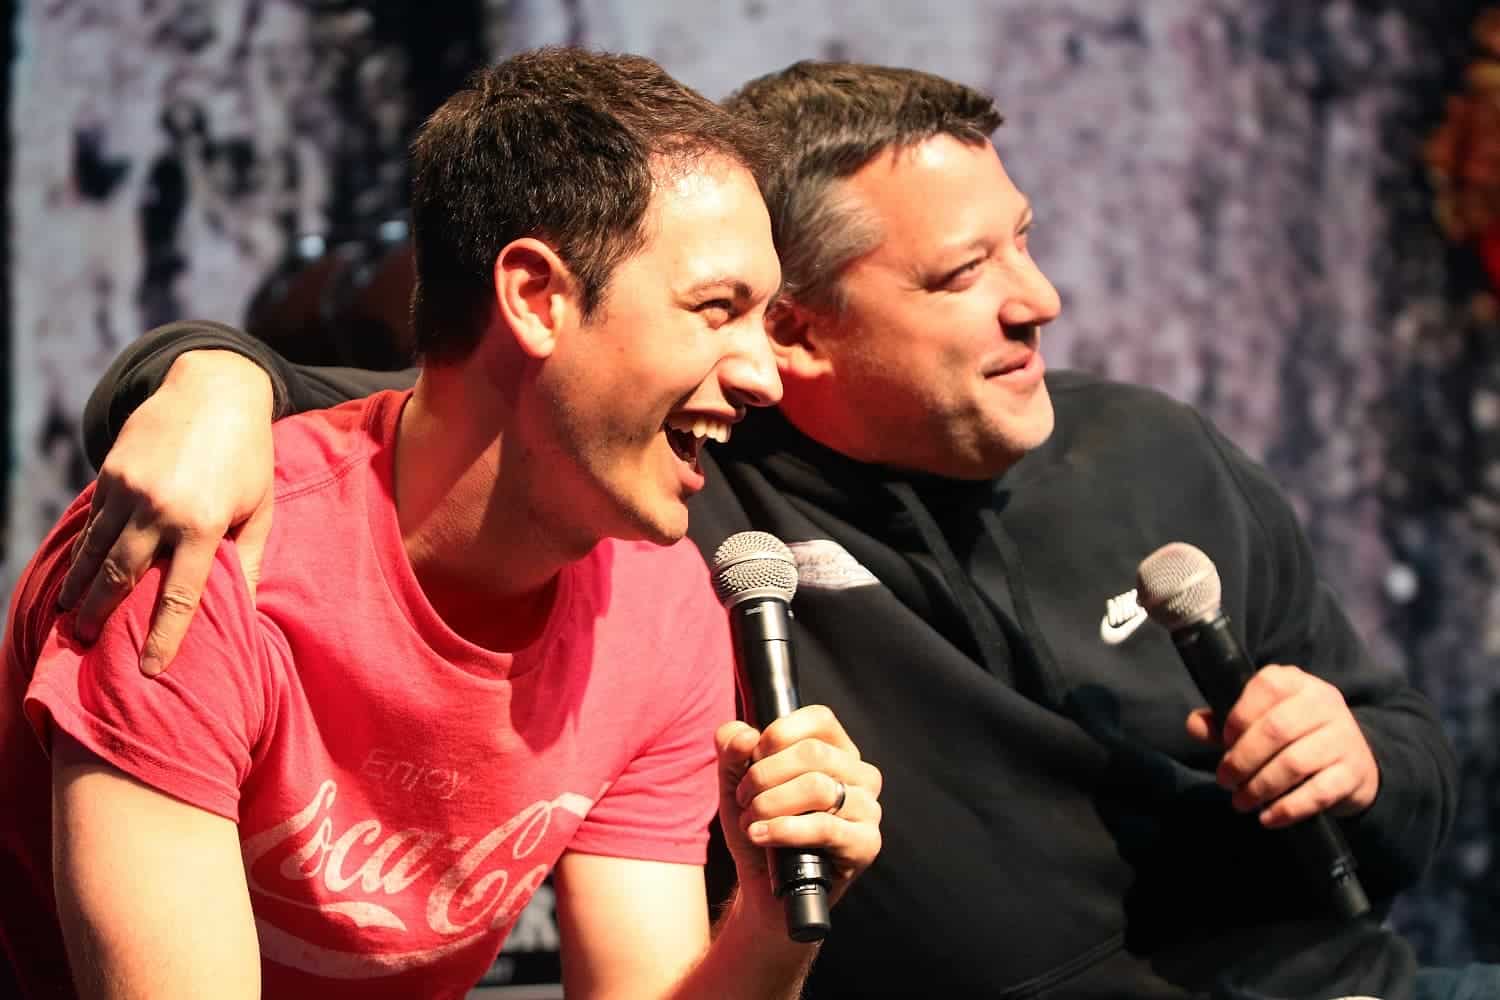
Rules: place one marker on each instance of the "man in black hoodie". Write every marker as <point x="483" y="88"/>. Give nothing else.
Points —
<point x="1063" y="818"/>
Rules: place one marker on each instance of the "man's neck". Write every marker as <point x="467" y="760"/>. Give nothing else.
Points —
<point x="474" y="537"/>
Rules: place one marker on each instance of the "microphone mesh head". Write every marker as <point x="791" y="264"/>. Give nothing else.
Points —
<point x="753" y="564"/>
<point x="1178" y="585"/>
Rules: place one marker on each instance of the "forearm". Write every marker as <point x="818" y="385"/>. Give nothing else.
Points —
<point x="143" y="366"/>
<point x="750" y="957"/>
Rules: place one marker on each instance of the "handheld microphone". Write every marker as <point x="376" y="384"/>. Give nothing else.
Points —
<point x="1180" y="589"/>
<point x="755" y="577"/>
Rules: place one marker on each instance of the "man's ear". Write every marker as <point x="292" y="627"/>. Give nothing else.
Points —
<point x="534" y="294"/>
<point x="798" y="335"/>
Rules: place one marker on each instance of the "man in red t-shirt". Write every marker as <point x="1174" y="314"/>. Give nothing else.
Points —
<point x="477" y="652"/>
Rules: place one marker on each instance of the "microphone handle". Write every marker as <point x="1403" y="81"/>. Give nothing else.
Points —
<point x="768" y="678"/>
<point x="1221" y="669"/>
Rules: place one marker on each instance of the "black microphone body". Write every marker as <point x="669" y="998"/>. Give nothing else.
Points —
<point x="1221" y="668"/>
<point x="768" y="684"/>
<point x="755" y="576"/>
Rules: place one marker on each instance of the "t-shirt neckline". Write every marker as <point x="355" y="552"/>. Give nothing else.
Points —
<point x="382" y="420"/>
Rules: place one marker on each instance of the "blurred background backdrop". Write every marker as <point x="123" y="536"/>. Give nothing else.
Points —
<point x="1284" y="211"/>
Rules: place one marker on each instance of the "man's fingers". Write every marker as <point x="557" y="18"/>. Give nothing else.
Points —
<point x="181" y="588"/>
<point x="97" y="500"/>
<point x="1295" y="764"/>
<point x="1270" y="685"/>
<point x="810" y="757"/>
<point x="850" y="843"/>
<point x="736" y="742"/>
<point x="810" y="792"/>
<point x="810" y="722"/>
<point x="1276" y="732"/>
<point x="1317" y="794"/>
<point x="1203" y="726"/>
<point x="109" y="512"/>
<point x="250" y="542"/>
<point x="128" y="558"/>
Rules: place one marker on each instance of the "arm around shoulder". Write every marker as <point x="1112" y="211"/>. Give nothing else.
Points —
<point x="142" y="367"/>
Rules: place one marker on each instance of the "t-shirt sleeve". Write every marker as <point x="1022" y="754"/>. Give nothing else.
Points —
<point x="191" y="732"/>
<point x="660" y="806"/>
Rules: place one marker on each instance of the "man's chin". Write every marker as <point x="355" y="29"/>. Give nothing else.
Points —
<point x="666" y="523"/>
<point x="1038" y="429"/>
<point x="1011" y="443"/>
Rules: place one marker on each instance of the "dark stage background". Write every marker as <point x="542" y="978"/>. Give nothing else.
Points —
<point x="1231" y="195"/>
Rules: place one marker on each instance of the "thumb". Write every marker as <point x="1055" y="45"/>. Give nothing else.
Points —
<point x="1203" y="726"/>
<point x="250" y="542"/>
<point x="736" y="744"/>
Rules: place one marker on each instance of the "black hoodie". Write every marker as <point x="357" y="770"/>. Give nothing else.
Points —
<point x="1049" y="828"/>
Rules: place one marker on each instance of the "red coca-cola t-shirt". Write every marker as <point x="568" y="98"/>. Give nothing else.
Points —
<point x="399" y="791"/>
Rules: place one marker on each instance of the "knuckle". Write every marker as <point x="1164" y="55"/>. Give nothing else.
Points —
<point x="873" y="781"/>
<point x="1234" y="724"/>
<point x="754" y="811"/>
<point x="774" y="737"/>
<point x="1274" y="728"/>
<point x="114" y="476"/>
<point x="1281" y="679"/>
<point x="752" y="783"/>
<point x="196" y="522"/>
<point x="128" y="488"/>
<point x="819" y="755"/>
<point x="177" y="600"/>
<point x="1229" y="773"/>
<point x="114" y="575"/>
<point x="94" y="545"/>
<point x="158" y="510"/>
<point x="1323" y="798"/>
<point x="1332" y="698"/>
<point x="1295" y="762"/>
<point x="820" y="715"/>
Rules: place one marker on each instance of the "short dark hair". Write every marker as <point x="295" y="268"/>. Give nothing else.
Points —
<point x="557" y="143"/>
<point x="830" y="119"/>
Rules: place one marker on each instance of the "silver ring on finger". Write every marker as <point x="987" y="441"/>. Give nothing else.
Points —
<point x="839" y="802"/>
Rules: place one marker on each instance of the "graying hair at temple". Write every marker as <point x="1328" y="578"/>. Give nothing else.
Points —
<point x="832" y="119"/>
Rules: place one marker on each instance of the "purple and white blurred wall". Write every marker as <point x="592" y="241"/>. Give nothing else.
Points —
<point x="1229" y="196"/>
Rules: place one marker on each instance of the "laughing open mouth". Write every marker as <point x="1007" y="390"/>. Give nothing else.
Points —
<point x="687" y="435"/>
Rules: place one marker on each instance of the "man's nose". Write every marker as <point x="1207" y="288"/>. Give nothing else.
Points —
<point x="1033" y="300"/>
<point x="748" y="375"/>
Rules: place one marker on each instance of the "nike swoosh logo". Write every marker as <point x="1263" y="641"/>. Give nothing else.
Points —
<point x="1116" y="634"/>
<point x="1122" y="616"/>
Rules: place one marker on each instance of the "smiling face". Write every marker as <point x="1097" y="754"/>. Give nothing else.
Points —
<point x="672" y="357"/>
<point x="933" y="363"/>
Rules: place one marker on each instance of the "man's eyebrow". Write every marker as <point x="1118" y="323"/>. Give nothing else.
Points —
<point x="739" y="289"/>
<point x="981" y="242"/>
